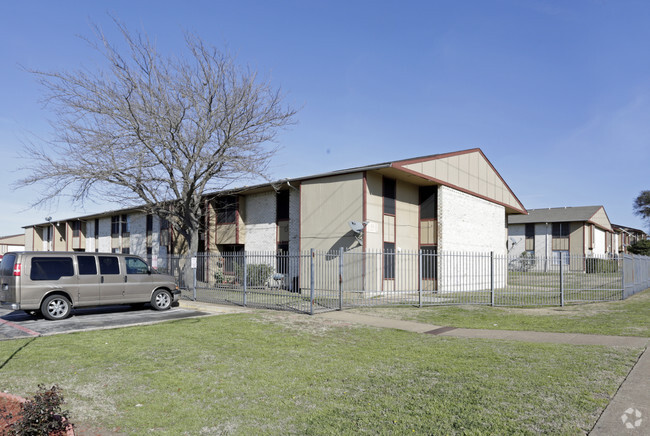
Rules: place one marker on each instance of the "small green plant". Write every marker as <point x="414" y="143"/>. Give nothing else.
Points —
<point x="219" y="276"/>
<point x="42" y="414"/>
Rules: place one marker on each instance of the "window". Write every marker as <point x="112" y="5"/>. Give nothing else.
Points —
<point x="560" y="230"/>
<point x="115" y="225"/>
<point x="282" y="204"/>
<point x="388" y="192"/>
<point x="226" y="210"/>
<point x="282" y="258"/>
<point x="530" y="237"/>
<point x="125" y="224"/>
<point x="232" y="257"/>
<point x="389" y="260"/>
<point x="149" y="229"/>
<point x="7" y="265"/>
<point x="428" y="202"/>
<point x="109" y="265"/>
<point x="429" y="263"/>
<point x="76" y="229"/>
<point x="562" y="256"/>
<point x="51" y="268"/>
<point x="135" y="265"/>
<point x="87" y="265"/>
<point x="96" y="228"/>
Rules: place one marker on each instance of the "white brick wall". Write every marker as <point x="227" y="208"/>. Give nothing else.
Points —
<point x="516" y="239"/>
<point x="104" y="243"/>
<point x="138" y="231"/>
<point x="470" y="224"/>
<point x="261" y="229"/>
<point x="90" y="235"/>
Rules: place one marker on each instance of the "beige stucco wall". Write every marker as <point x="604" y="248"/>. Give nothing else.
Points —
<point x="327" y="206"/>
<point x="468" y="171"/>
<point x="374" y="212"/>
<point x="600" y="218"/>
<point x="407" y="214"/>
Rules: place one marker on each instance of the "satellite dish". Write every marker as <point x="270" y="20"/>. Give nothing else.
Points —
<point x="48" y="218"/>
<point x="357" y="227"/>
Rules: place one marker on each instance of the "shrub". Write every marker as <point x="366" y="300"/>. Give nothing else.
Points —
<point x="42" y="414"/>
<point x="640" y="247"/>
<point x="257" y="274"/>
<point x="594" y="265"/>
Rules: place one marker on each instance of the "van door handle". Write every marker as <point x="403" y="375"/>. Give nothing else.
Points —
<point x="125" y="278"/>
<point x="102" y="280"/>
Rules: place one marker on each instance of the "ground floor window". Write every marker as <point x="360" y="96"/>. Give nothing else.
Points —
<point x="561" y="256"/>
<point x="232" y="257"/>
<point x="389" y="260"/>
<point x="429" y="262"/>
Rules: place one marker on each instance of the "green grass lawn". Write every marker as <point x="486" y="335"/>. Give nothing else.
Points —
<point x="281" y="373"/>
<point x="629" y="317"/>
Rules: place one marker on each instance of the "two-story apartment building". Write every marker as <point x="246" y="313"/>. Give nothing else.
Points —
<point x="626" y="236"/>
<point x="562" y="232"/>
<point x="446" y="202"/>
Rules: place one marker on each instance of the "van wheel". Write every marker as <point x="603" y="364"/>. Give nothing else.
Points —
<point x="56" y="307"/>
<point x="161" y="299"/>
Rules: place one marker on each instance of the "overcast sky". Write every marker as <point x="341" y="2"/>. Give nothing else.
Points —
<point x="555" y="93"/>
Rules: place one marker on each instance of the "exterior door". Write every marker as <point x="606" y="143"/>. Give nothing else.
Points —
<point x="111" y="280"/>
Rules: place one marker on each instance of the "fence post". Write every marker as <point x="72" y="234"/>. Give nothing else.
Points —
<point x="194" y="277"/>
<point x="311" y="284"/>
<point x="244" y="279"/>
<point x="341" y="251"/>
<point x="492" y="278"/>
<point x="561" y="280"/>
<point x="420" y="278"/>
<point x="622" y="260"/>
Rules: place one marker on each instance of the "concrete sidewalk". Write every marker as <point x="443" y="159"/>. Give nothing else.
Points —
<point x="627" y="413"/>
<point x="509" y="335"/>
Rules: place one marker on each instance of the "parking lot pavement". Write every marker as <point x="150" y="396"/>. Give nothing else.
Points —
<point x="19" y="324"/>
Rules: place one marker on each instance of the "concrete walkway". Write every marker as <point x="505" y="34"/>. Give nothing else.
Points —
<point x="627" y="413"/>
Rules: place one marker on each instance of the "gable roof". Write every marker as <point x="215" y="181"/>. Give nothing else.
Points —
<point x="592" y="214"/>
<point x="468" y="171"/>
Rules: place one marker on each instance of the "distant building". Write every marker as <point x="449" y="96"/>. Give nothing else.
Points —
<point x="561" y="232"/>
<point x="12" y="243"/>
<point x="627" y="236"/>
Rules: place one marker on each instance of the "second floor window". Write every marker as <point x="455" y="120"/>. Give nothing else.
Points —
<point x="226" y="210"/>
<point x="561" y="230"/>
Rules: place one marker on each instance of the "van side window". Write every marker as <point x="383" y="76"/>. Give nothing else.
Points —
<point x="51" y="268"/>
<point x="135" y="265"/>
<point x="109" y="265"/>
<point x="87" y="265"/>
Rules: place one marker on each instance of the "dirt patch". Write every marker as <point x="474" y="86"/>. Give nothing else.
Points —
<point x="314" y="325"/>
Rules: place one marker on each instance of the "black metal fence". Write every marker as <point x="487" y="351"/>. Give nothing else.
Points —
<point x="313" y="281"/>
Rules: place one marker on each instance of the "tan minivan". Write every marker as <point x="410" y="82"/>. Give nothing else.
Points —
<point x="55" y="282"/>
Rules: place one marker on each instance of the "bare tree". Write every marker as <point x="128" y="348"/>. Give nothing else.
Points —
<point x="156" y="131"/>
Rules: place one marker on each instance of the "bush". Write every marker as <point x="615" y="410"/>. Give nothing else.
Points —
<point x="258" y="274"/>
<point x="42" y="414"/>
<point x="594" y="265"/>
<point x="640" y="247"/>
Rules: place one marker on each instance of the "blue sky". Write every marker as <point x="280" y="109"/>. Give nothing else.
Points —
<point x="555" y="93"/>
